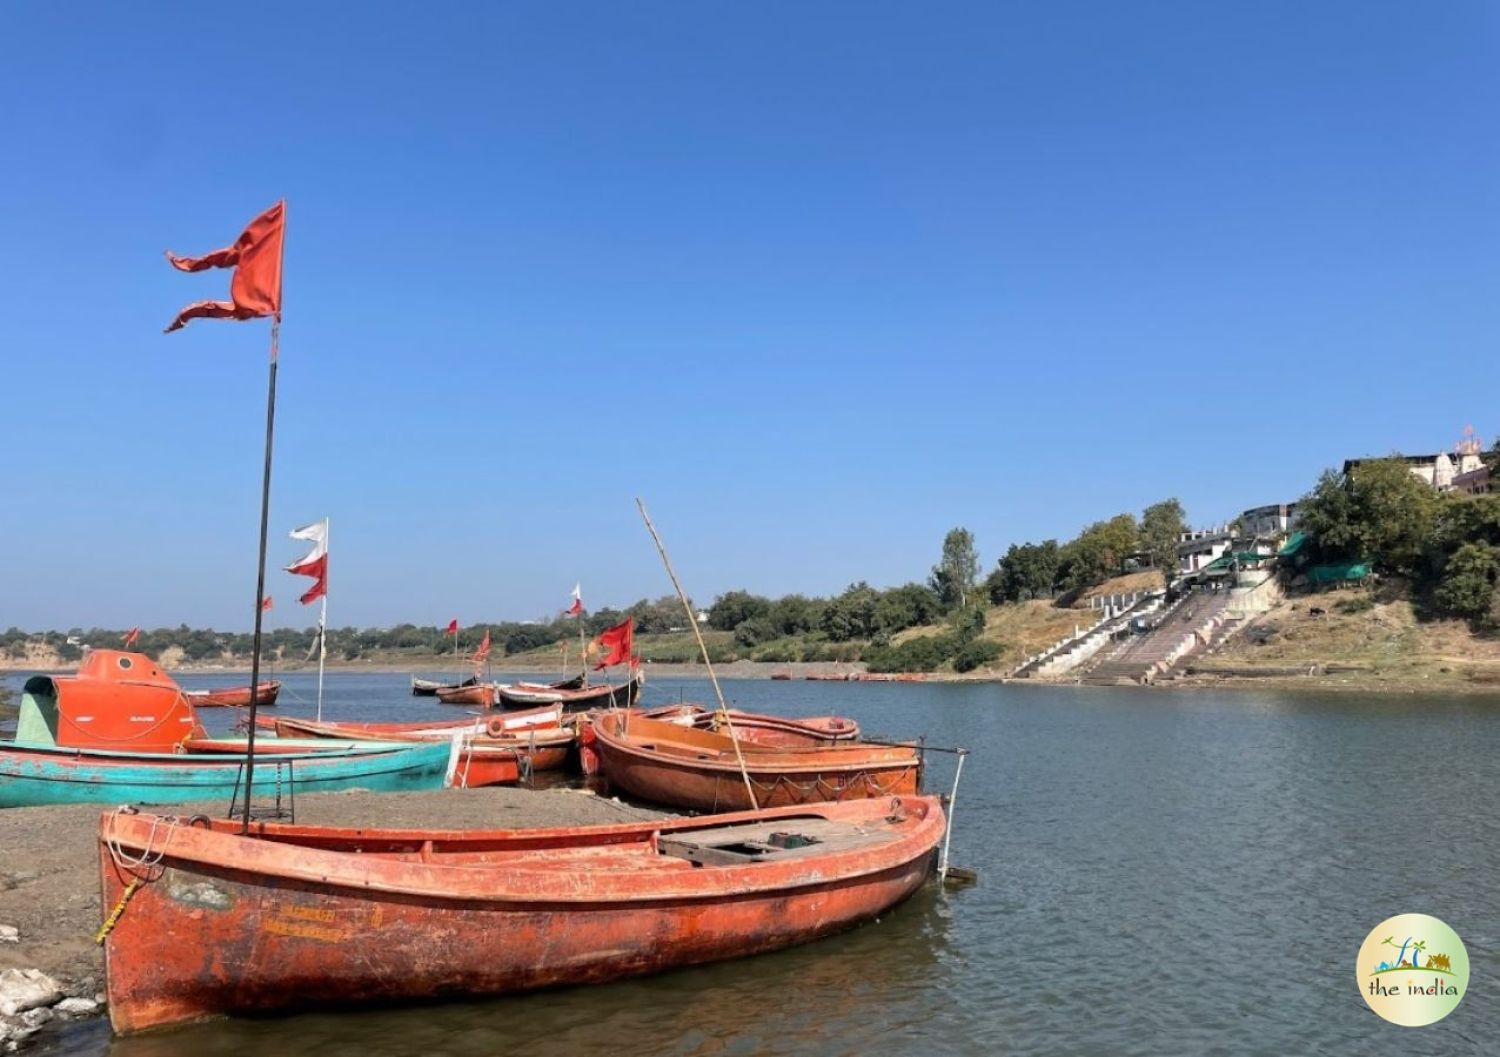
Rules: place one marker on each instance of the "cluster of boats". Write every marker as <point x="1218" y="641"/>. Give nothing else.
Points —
<point x="810" y="829"/>
<point x="574" y="693"/>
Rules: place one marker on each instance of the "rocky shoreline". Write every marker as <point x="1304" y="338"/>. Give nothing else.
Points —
<point x="51" y="969"/>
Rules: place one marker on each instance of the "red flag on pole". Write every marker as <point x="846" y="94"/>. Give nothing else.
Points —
<point x="619" y="641"/>
<point x="265" y="603"/>
<point x="131" y="637"/>
<point x="576" y="609"/>
<point x="255" y="257"/>
<point x="315" y="562"/>
<point x="484" y="648"/>
<point x="452" y="628"/>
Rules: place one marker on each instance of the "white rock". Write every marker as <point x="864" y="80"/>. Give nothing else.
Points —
<point x="23" y="989"/>
<point x="9" y="934"/>
<point x="76" y="1007"/>
<point x="35" y="1018"/>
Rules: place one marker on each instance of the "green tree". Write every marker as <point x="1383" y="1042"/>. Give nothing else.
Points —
<point x="733" y="608"/>
<point x="1467" y="588"/>
<point x="852" y="614"/>
<point x="795" y="614"/>
<point x="955" y="574"/>
<point x="905" y="607"/>
<point x="1027" y="571"/>
<point x="1162" y="525"/>
<point x="1382" y="512"/>
<point x="1098" y="553"/>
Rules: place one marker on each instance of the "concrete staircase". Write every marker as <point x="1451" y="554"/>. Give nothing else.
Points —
<point x="1187" y="626"/>
<point x="1076" y="649"/>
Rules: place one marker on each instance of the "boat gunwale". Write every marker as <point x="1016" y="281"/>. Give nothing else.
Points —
<point x="760" y="760"/>
<point x="495" y="884"/>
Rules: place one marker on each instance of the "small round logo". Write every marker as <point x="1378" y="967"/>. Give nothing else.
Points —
<point x="1412" y="970"/>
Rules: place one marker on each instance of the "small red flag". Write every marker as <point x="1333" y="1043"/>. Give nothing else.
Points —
<point x="619" y="641"/>
<point x="484" y="648"/>
<point x="452" y="628"/>
<point x="255" y="257"/>
<point x="315" y="562"/>
<point x="132" y="637"/>
<point x="265" y="603"/>
<point x="576" y="609"/>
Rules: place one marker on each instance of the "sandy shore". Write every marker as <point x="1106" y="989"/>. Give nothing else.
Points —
<point x="49" y="870"/>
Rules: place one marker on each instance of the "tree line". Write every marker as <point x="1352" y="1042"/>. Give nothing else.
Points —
<point x="351" y="643"/>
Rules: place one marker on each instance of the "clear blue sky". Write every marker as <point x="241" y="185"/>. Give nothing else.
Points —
<point x="819" y="281"/>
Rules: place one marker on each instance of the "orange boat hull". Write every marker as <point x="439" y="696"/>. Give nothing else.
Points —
<point x="230" y="924"/>
<point x="699" y="771"/>
<point x="482" y="695"/>
<point x="234" y="696"/>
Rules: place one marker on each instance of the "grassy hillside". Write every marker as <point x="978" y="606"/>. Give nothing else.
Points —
<point x="1382" y="640"/>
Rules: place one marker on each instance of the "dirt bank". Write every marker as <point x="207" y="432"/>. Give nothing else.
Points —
<point x="49" y="858"/>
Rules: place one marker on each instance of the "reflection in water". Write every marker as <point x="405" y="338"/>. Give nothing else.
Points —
<point x="1161" y="873"/>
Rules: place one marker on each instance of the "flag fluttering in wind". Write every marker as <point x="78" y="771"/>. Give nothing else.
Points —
<point x="576" y="609"/>
<point x="315" y="562"/>
<point x="452" y="628"/>
<point x="619" y="641"/>
<point x="483" y="651"/>
<point x="265" y="603"/>
<point x="255" y="290"/>
<point x="131" y="637"/>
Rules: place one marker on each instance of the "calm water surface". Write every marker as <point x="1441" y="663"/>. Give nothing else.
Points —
<point x="1161" y="873"/>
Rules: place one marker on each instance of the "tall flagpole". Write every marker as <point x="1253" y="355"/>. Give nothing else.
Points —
<point x="323" y="620"/>
<point x="260" y="575"/>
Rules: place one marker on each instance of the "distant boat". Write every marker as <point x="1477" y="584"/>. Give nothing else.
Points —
<point x="234" y="696"/>
<point x="700" y="770"/>
<point x="579" y="699"/>
<point x="430" y="687"/>
<point x="114" y="733"/>
<point x="481" y="695"/>
<point x="309" y="917"/>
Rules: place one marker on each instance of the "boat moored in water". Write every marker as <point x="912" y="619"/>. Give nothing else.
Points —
<point x="235" y="696"/>
<point x="306" y="916"/>
<point x="702" y="770"/>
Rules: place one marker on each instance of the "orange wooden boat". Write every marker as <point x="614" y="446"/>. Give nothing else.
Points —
<point x="493" y="753"/>
<point x="699" y="770"/>
<point x="308" y="917"/>
<point x="495" y="725"/>
<point x="579" y="699"/>
<point x="758" y="727"/>
<point x="481" y="694"/>
<point x="234" y="696"/>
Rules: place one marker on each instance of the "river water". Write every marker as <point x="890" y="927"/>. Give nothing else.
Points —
<point x="1161" y="872"/>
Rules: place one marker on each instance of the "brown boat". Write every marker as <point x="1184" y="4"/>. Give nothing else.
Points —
<point x="537" y="739"/>
<point x="430" y="687"/>
<point x="234" y="696"/>
<point x="759" y="727"/>
<point x="581" y="699"/>
<point x="481" y="695"/>
<point x="700" y="770"/>
<point x="309" y="917"/>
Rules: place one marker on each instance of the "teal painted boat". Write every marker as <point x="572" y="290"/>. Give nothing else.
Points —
<point x="48" y="774"/>
<point x="116" y="733"/>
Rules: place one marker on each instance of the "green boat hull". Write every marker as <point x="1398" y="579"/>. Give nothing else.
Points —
<point x="33" y="774"/>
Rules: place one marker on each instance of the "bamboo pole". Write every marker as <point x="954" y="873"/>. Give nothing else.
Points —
<point x="260" y="576"/>
<point x="703" y="648"/>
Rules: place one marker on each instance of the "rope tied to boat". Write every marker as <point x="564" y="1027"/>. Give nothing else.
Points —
<point x="141" y="868"/>
<point x="114" y="915"/>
